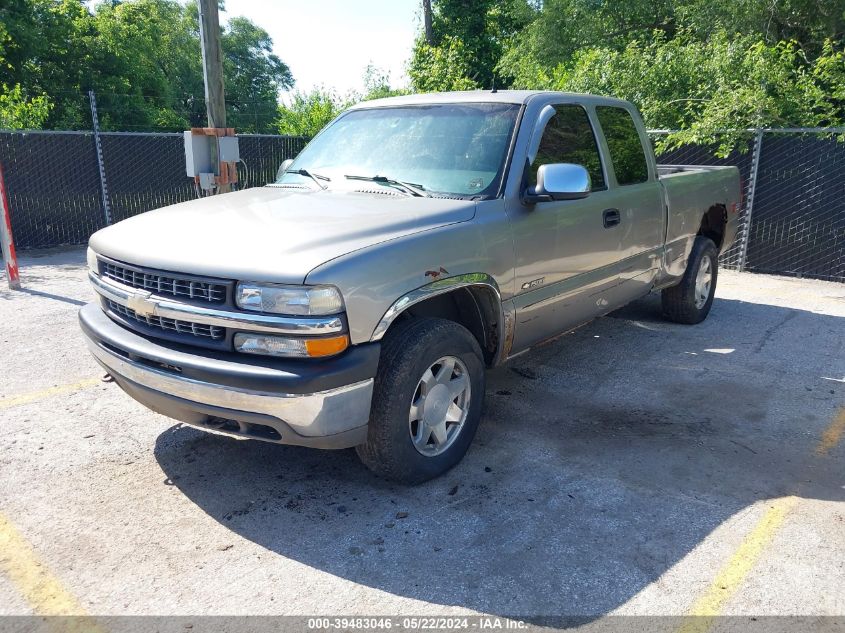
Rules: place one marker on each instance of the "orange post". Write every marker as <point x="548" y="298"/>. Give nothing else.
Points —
<point x="9" y="256"/>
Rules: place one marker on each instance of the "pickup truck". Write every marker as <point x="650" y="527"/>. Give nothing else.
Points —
<point x="416" y="240"/>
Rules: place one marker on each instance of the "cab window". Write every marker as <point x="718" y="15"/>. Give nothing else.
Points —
<point x="569" y="138"/>
<point x="623" y="142"/>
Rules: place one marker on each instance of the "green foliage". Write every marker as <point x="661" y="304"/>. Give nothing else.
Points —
<point x="18" y="112"/>
<point x="557" y="29"/>
<point x="45" y="48"/>
<point x="560" y="28"/>
<point x="145" y="56"/>
<point x="141" y="57"/>
<point x="709" y="68"/>
<point x="377" y="85"/>
<point x="829" y="73"/>
<point x="711" y="91"/>
<point x="441" y="68"/>
<point x="254" y="76"/>
<point x="309" y="112"/>
<point x="469" y="38"/>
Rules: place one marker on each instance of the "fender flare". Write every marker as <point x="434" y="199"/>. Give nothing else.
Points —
<point x="505" y="318"/>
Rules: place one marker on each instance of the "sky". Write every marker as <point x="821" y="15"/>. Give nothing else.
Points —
<point x="329" y="43"/>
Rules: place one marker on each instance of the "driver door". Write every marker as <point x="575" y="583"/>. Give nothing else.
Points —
<point x="566" y="251"/>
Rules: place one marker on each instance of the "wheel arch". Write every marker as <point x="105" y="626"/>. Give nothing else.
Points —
<point x="472" y="300"/>
<point x="714" y="223"/>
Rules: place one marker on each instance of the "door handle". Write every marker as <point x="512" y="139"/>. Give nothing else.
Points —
<point x="611" y="217"/>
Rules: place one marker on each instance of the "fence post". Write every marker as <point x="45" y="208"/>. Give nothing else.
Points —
<point x="103" y="186"/>
<point x="749" y="202"/>
<point x="6" y="241"/>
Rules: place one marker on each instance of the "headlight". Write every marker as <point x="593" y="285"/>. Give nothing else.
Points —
<point x="292" y="300"/>
<point x="269" y="345"/>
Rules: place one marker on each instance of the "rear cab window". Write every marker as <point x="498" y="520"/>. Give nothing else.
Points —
<point x="623" y="142"/>
<point x="569" y="138"/>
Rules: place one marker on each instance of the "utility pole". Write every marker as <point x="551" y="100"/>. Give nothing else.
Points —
<point x="212" y="70"/>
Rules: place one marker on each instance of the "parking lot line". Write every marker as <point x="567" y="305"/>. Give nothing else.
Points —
<point x="734" y="571"/>
<point x="41" y="589"/>
<point x="34" y="396"/>
<point x="832" y="434"/>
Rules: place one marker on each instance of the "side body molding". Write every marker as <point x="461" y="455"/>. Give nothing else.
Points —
<point x="504" y="314"/>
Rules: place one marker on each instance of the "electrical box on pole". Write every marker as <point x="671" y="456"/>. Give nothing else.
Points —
<point x="211" y="153"/>
<point x="211" y="157"/>
<point x="197" y="155"/>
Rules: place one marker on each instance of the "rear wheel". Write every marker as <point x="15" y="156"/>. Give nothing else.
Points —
<point x="690" y="301"/>
<point x="426" y="401"/>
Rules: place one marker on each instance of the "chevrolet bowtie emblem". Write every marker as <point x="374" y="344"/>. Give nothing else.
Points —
<point x="142" y="304"/>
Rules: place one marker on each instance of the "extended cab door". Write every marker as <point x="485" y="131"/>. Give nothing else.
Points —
<point x="566" y="251"/>
<point x="637" y="196"/>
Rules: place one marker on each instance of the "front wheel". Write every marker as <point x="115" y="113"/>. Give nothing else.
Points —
<point x="426" y="400"/>
<point x="690" y="301"/>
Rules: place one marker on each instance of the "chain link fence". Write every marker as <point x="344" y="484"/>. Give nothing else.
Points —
<point x="797" y="222"/>
<point x="792" y="218"/>
<point x="53" y="186"/>
<point x="56" y="192"/>
<point x="147" y="171"/>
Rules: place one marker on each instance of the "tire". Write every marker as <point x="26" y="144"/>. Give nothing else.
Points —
<point x="690" y="301"/>
<point x="409" y="350"/>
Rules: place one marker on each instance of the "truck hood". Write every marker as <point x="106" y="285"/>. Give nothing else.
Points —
<point x="270" y="233"/>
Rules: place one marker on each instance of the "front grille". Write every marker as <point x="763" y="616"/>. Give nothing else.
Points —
<point x="163" y="284"/>
<point x="200" y="330"/>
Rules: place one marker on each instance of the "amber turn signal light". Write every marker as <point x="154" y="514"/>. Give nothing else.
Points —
<point x="318" y="347"/>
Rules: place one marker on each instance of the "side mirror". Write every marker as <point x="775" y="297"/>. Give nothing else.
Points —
<point x="284" y="167"/>
<point x="559" y="181"/>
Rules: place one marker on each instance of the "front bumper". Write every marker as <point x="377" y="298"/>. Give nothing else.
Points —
<point x="322" y="404"/>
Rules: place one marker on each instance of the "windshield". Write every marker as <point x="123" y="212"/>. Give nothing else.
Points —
<point x="456" y="149"/>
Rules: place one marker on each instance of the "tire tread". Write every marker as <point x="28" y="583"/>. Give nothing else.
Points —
<point x="396" y="364"/>
<point x="678" y="301"/>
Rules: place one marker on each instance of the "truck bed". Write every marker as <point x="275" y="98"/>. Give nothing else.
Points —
<point x="685" y="188"/>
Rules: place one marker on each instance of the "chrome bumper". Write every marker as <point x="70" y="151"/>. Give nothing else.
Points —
<point x="334" y="418"/>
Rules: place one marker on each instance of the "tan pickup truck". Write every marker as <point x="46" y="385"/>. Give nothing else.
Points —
<point x="356" y="301"/>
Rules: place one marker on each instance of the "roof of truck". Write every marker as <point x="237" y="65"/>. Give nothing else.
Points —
<point x="484" y="96"/>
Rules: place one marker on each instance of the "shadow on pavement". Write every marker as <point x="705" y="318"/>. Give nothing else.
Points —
<point x="602" y="460"/>
<point x="55" y="297"/>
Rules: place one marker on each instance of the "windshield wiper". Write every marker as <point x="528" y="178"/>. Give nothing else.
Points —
<point x="407" y="187"/>
<point x="315" y="177"/>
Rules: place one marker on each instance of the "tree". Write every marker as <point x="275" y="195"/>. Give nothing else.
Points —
<point x="557" y="29"/>
<point x="154" y="73"/>
<point x="428" y="28"/>
<point x="19" y="112"/>
<point x="466" y="42"/>
<point x="808" y="22"/>
<point x="442" y="67"/>
<point x="376" y="86"/>
<point x="711" y="92"/>
<point x="146" y="67"/>
<point x="142" y="58"/>
<point x="45" y="48"/>
<point x="709" y="68"/>
<point x="254" y="76"/>
<point x="308" y="113"/>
